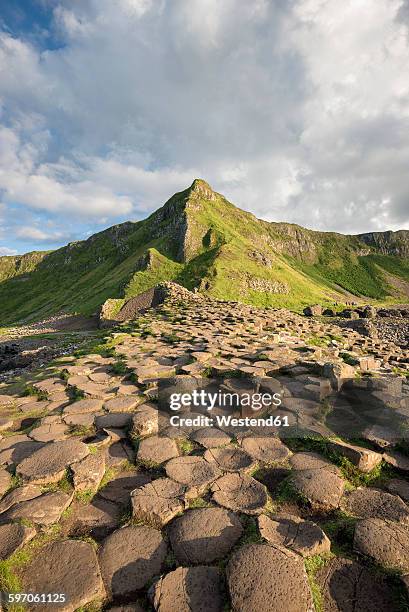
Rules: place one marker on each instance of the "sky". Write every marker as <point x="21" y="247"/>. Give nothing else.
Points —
<point x="296" y="110"/>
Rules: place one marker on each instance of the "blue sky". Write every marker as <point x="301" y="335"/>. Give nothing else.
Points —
<point x="297" y="110"/>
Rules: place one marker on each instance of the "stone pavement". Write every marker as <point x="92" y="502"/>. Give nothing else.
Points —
<point x="103" y="500"/>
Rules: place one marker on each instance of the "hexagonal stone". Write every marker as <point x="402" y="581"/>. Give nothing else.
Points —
<point x="43" y="510"/>
<point x="5" y="423"/>
<point x="188" y="589"/>
<point x="157" y="450"/>
<point x="146" y="421"/>
<point x="210" y="437"/>
<point x="84" y="406"/>
<point x="14" y="536"/>
<point x="373" y="503"/>
<point x="122" y="403"/>
<point x="50" y="385"/>
<point x="97" y="519"/>
<point x="158" y="502"/>
<point x="119" y="489"/>
<point x="80" y="420"/>
<point x="18" y="495"/>
<point x="70" y="564"/>
<point x="303" y="537"/>
<point x="100" y="377"/>
<point x="35" y="406"/>
<point x="5" y="481"/>
<point x="95" y="390"/>
<point x="240" y="493"/>
<point x="88" y="473"/>
<point x="312" y="461"/>
<point x="14" y="449"/>
<point x="397" y="460"/>
<point x="268" y="579"/>
<point x="203" y="535"/>
<point x="193" y="472"/>
<point x="118" y="453"/>
<point x="129" y="558"/>
<point x="6" y="400"/>
<point x="351" y="587"/>
<point x="50" y="462"/>
<point x="114" y="419"/>
<point x="364" y="459"/>
<point x="387" y="543"/>
<point x="321" y="487"/>
<point x="49" y="432"/>
<point x="230" y="459"/>
<point x="266" y="449"/>
<point x="399" y="487"/>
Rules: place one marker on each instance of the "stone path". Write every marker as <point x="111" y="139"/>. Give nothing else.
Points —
<point x="103" y="500"/>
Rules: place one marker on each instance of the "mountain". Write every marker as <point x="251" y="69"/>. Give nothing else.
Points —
<point x="201" y="240"/>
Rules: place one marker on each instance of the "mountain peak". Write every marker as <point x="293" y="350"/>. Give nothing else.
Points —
<point x="202" y="189"/>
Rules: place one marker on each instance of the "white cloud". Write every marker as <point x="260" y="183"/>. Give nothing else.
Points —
<point x="6" y="251"/>
<point x="296" y="110"/>
<point x="39" y="186"/>
<point x="36" y="234"/>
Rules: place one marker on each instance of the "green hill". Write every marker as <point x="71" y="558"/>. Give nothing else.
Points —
<point x="202" y="241"/>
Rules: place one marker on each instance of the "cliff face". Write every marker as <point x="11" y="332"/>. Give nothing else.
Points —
<point x="200" y="240"/>
<point x="388" y="243"/>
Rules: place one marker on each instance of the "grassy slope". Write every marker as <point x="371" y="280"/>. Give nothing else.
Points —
<point x="220" y="241"/>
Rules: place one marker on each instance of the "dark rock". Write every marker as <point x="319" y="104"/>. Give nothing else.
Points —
<point x="12" y="537"/>
<point x="204" y="535"/>
<point x="129" y="558"/>
<point x="189" y="589"/>
<point x="386" y="543"/>
<point x="70" y="564"/>
<point x="240" y="493"/>
<point x="303" y="537"/>
<point x="347" y="586"/>
<point x="268" y="579"/>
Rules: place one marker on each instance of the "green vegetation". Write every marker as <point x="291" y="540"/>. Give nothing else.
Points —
<point x="9" y="568"/>
<point x="312" y="566"/>
<point x="199" y="502"/>
<point x="340" y="529"/>
<point x="202" y="241"/>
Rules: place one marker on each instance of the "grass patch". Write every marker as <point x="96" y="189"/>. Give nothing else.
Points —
<point x="9" y="578"/>
<point x="65" y="484"/>
<point x="185" y="446"/>
<point x="119" y="367"/>
<point x="85" y="497"/>
<point x="30" y="390"/>
<point x="287" y="493"/>
<point x="312" y="566"/>
<point x="199" y="502"/>
<point x="251" y="533"/>
<point x="340" y="529"/>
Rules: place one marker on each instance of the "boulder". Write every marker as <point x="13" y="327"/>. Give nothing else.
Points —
<point x="70" y="564"/>
<point x="188" y="589"/>
<point x="348" y="586"/>
<point x="158" y="502"/>
<point x="268" y="579"/>
<point x="240" y="493"/>
<point x="129" y="558"/>
<point x="386" y="543"/>
<point x="303" y="537"/>
<point x="204" y="535"/>
<point x="313" y="311"/>
<point x="50" y="462"/>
